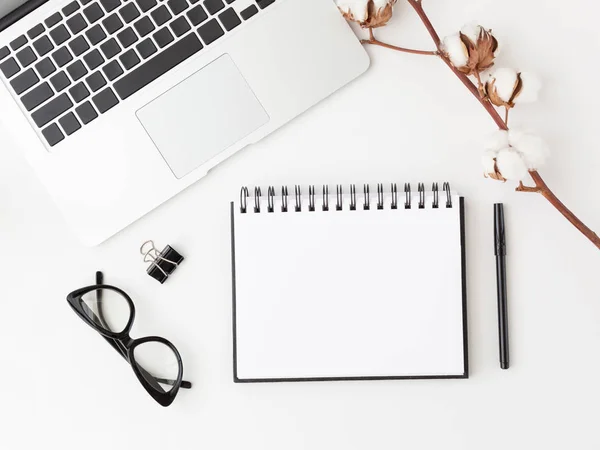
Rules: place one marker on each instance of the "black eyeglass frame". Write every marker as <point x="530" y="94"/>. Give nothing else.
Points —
<point x="125" y="345"/>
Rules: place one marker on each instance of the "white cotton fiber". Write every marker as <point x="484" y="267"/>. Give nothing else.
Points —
<point x="533" y="148"/>
<point x="358" y="8"/>
<point x="496" y="141"/>
<point x="532" y="86"/>
<point x="455" y="49"/>
<point x="511" y="165"/>
<point x="472" y="31"/>
<point x="489" y="164"/>
<point x="505" y="82"/>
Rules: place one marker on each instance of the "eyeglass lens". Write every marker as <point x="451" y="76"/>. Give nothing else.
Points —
<point x="159" y="364"/>
<point x="107" y="308"/>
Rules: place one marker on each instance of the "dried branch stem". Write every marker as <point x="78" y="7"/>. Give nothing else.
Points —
<point x="540" y="186"/>
<point x="373" y="41"/>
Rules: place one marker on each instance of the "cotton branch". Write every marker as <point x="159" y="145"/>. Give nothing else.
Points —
<point x="540" y="186"/>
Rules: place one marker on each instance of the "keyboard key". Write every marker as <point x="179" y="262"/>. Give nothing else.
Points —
<point x="86" y="113"/>
<point x="62" y="56"/>
<point x="157" y="66"/>
<point x="93" y="59"/>
<point x="79" y="92"/>
<point x="197" y="15"/>
<point x="105" y="100"/>
<point x="53" y="20"/>
<point x="112" y="23"/>
<point x="229" y="2"/>
<point x="9" y="67"/>
<point x="110" y="48"/>
<point x="127" y="37"/>
<point x="52" y="110"/>
<point x="144" y="26"/>
<point x="60" y="81"/>
<point x="36" y="31"/>
<point x="129" y="59"/>
<point x="112" y="70"/>
<point x="24" y="81"/>
<point x="146" y="48"/>
<point x="93" y="13"/>
<point x="229" y="19"/>
<point x="79" y="46"/>
<point x="129" y="12"/>
<point x="4" y="52"/>
<point x="36" y="97"/>
<point x="69" y="123"/>
<point x="250" y="11"/>
<point x="96" y="81"/>
<point x="70" y="8"/>
<point x="18" y="42"/>
<point x="59" y="34"/>
<point x="180" y="26"/>
<point x="163" y="37"/>
<point x="146" y="5"/>
<point x="214" y="6"/>
<point x="84" y="2"/>
<point x="45" y="67"/>
<point x="264" y="3"/>
<point x="76" y="23"/>
<point x="161" y="15"/>
<point x="43" y="45"/>
<point x="95" y="34"/>
<point x="178" y="6"/>
<point x="77" y="70"/>
<point x="53" y="135"/>
<point x="26" y="56"/>
<point x="109" y="5"/>
<point x="193" y="2"/>
<point x="210" y="31"/>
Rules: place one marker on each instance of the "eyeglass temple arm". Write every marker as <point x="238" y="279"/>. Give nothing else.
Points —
<point x="184" y="384"/>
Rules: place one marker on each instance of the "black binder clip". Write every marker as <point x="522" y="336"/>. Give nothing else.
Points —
<point x="163" y="264"/>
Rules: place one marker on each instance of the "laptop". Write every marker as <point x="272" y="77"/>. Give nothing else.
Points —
<point x="118" y="105"/>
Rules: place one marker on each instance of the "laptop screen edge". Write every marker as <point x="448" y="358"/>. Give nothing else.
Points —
<point x="20" y="12"/>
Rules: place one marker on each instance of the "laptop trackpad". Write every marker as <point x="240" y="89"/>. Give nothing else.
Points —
<point x="202" y="116"/>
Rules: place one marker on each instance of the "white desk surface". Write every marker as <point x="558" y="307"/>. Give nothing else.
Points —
<point x="408" y="119"/>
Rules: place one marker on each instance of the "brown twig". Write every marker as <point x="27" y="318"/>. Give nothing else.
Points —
<point x="373" y="41"/>
<point x="523" y="188"/>
<point x="507" y="109"/>
<point x="540" y="186"/>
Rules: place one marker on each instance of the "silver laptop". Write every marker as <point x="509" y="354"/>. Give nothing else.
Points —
<point x="103" y="96"/>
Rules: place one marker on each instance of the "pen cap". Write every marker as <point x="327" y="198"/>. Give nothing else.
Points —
<point x="499" y="233"/>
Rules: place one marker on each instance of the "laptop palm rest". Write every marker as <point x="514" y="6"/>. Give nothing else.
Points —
<point x="202" y="116"/>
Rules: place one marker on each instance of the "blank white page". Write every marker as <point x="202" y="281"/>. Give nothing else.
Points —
<point x="348" y="294"/>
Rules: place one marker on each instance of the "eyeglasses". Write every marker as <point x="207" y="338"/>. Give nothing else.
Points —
<point x="155" y="361"/>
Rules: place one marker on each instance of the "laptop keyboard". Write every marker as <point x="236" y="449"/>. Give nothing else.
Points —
<point x="85" y="59"/>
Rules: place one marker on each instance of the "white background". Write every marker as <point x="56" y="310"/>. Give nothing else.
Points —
<point x="407" y="119"/>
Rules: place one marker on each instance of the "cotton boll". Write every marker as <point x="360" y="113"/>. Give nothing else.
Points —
<point x="502" y="83"/>
<point x="472" y="51"/>
<point x="530" y="89"/>
<point x="454" y="47"/>
<point x="511" y="165"/>
<point x="367" y="17"/>
<point x="496" y="141"/>
<point x="533" y="149"/>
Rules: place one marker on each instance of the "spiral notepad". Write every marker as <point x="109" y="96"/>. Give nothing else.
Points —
<point x="348" y="282"/>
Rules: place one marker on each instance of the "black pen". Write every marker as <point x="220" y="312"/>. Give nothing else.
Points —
<point x="500" y="252"/>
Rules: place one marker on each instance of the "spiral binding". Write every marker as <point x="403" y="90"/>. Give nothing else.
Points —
<point x="339" y="197"/>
